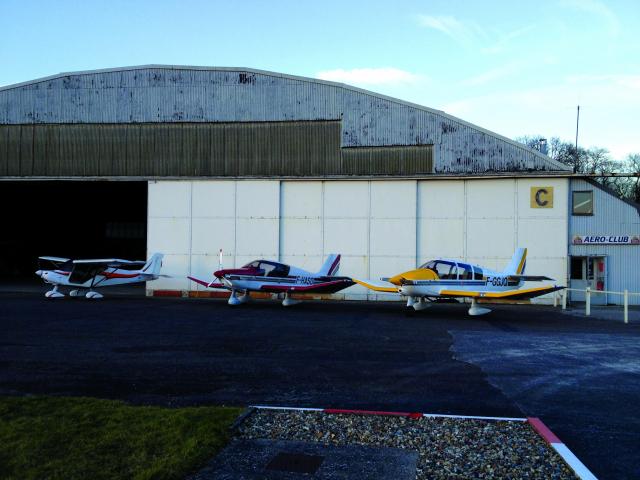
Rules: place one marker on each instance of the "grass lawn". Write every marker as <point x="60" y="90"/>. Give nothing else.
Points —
<point x="86" y="438"/>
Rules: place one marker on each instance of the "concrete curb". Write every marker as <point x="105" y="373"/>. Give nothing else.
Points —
<point x="540" y="428"/>
<point x="570" y="459"/>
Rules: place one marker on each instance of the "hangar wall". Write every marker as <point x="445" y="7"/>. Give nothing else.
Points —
<point x="380" y="227"/>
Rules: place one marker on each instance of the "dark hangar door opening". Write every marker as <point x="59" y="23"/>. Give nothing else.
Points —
<point x="73" y="219"/>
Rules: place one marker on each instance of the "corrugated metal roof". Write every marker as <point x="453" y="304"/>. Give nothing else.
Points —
<point x="165" y="94"/>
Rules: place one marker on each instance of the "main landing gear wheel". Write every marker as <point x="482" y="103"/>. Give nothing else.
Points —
<point x="475" y="310"/>
<point x="234" y="299"/>
<point x="420" y="304"/>
<point x="54" y="293"/>
<point x="91" y="295"/>
<point x="288" y="301"/>
<point x="76" y="293"/>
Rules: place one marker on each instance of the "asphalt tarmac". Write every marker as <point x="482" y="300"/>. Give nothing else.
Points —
<point x="580" y="376"/>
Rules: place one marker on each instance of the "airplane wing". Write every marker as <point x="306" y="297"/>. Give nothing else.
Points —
<point x="377" y="286"/>
<point x="55" y="259"/>
<point x="510" y="295"/>
<point x="207" y="284"/>
<point x="110" y="262"/>
<point x="331" y="286"/>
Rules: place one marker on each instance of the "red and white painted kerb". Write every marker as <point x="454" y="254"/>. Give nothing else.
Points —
<point x="541" y="429"/>
<point x="576" y="465"/>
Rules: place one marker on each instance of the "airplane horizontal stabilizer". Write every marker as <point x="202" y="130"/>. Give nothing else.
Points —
<point x="207" y="284"/>
<point x="377" y="286"/>
<point x="530" y="278"/>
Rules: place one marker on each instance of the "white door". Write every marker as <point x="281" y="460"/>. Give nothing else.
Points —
<point x="588" y="272"/>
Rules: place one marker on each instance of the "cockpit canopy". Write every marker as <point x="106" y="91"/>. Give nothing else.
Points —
<point x="448" y="270"/>
<point x="267" y="268"/>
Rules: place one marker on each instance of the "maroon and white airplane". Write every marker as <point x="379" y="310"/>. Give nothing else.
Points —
<point x="274" y="277"/>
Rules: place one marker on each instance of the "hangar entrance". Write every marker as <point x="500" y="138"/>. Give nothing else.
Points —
<point x="74" y="219"/>
<point x="589" y="272"/>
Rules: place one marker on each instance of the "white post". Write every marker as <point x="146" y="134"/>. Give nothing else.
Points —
<point x="626" y="305"/>
<point x="587" y="304"/>
<point x="555" y="299"/>
<point x="564" y="299"/>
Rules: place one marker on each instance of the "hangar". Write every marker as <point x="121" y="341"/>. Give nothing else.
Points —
<point x="191" y="160"/>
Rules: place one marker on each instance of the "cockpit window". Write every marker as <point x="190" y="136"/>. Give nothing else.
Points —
<point x="428" y="265"/>
<point x="266" y="268"/>
<point x="465" y="272"/>
<point x="477" y="273"/>
<point x="445" y="270"/>
<point x="269" y="269"/>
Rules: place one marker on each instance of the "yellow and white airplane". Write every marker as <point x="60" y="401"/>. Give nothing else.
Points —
<point x="444" y="278"/>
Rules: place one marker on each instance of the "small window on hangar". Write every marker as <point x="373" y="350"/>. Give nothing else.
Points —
<point x="582" y="202"/>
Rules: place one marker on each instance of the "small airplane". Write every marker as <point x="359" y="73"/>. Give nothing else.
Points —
<point x="275" y="277"/>
<point x="85" y="275"/>
<point x="455" y="279"/>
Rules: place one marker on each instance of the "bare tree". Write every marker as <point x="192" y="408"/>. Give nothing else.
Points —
<point x="595" y="160"/>
<point x="633" y="166"/>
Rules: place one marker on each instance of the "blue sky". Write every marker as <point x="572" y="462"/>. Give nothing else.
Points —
<point x="514" y="67"/>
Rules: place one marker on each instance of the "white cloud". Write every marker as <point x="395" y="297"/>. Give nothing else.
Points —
<point x="462" y="32"/>
<point x="599" y="9"/>
<point x="370" y="76"/>
<point x="608" y="111"/>
<point x="470" y="34"/>
<point x="502" y="44"/>
<point x="494" y="74"/>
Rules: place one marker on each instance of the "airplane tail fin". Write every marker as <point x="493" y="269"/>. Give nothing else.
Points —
<point x="153" y="265"/>
<point x="518" y="263"/>
<point x="331" y="265"/>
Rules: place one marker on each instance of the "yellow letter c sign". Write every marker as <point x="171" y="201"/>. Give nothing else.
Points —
<point x="541" y="197"/>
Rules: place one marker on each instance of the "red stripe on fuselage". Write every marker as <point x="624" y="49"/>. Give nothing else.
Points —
<point x="119" y="275"/>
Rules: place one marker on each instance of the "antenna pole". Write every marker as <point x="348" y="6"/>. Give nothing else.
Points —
<point x="577" y="125"/>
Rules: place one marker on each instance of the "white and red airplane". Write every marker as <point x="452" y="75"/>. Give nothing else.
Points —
<point x="85" y="275"/>
<point x="444" y="278"/>
<point x="275" y="277"/>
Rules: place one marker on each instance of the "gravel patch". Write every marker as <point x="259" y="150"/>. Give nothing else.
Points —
<point x="447" y="448"/>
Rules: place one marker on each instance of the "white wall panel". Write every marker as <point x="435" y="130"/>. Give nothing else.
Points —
<point x="258" y="219"/>
<point x="301" y="237"/>
<point x="540" y="237"/>
<point x="168" y="235"/>
<point x="301" y="199"/>
<point x="346" y="199"/>
<point x="441" y="199"/>
<point x="301" y="222"/>
<point x="393" y="237"/>
<point x="392" y="227"/>
<point x="440" y="220"/>
<point x="257" y="237"/>
<point x="169" y="199"/>
<point x="490" y="198"/>
<point x="393" y="199"/>
<point x="490" y="237"/>
<point x="213" y="198"/>
<point x="209" y="235"/>
<point x="258" y="199"/>
<point x="440" y="238"/>
<point x="346" y="236"/>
